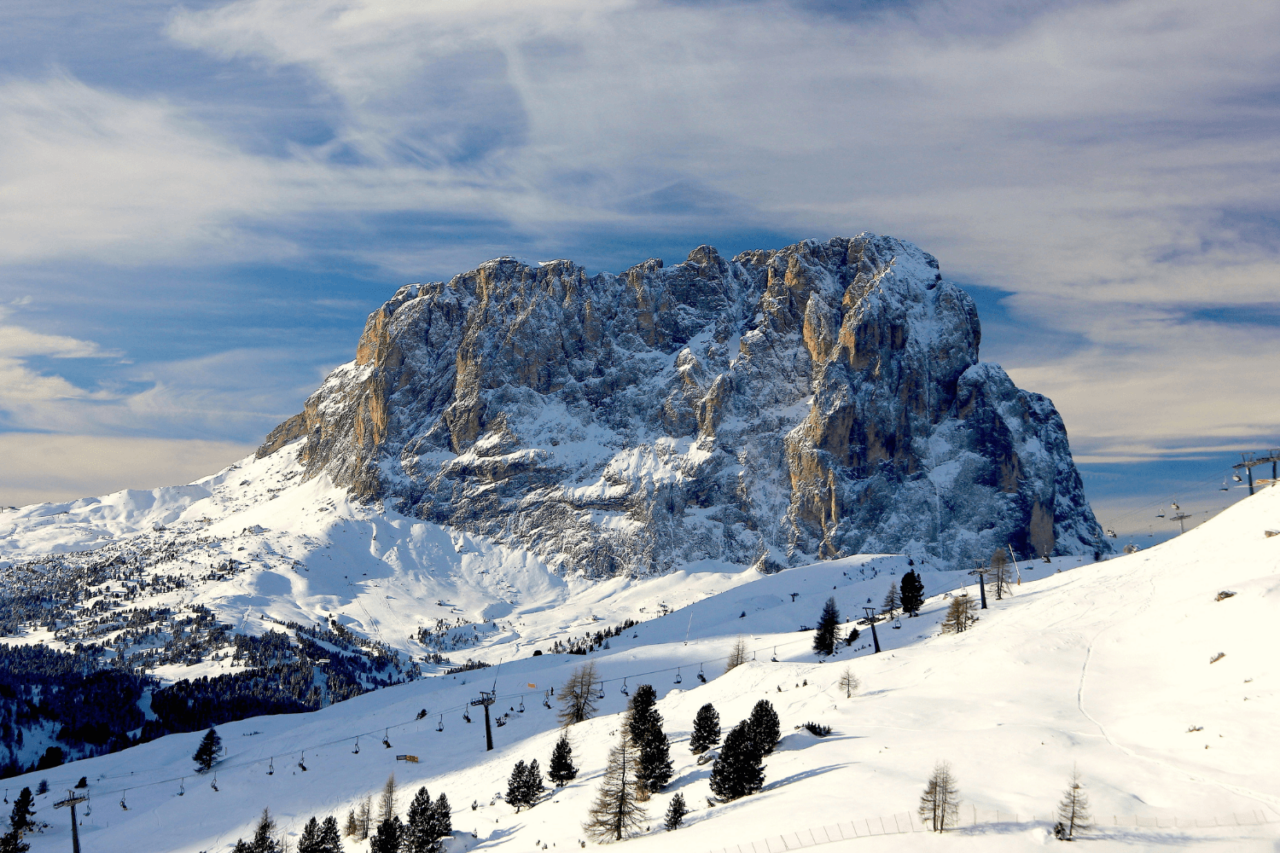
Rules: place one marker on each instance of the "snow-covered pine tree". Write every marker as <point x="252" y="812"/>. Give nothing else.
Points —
<point x="940" y="803"/>
<point x="645" y="723"/>
<point x="675" y="812"/>
<point x="738" y="654"/>
<point x="419" y="836"/>
<point x="765" y="728"/>
<point x="387" y="838"/>
<point x="518" y="786"/>
<point x="617" y="810"/>
<point x="892" y="600"/>
<point x="706" y="729"/>
<point x="208" y="751"/>
<point x="561" y="770"/>
<point x="577" y="697"/>
<point x="824" y="638"/>
<point x="1073" y="810"/>
<point x="912" y="593"/>
<point x="534" y="786"/>
<point x="737" y="772"/>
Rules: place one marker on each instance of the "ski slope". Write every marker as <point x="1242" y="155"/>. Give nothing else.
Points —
<point x="1105" y="666"/>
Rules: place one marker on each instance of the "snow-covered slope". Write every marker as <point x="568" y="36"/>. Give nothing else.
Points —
<point x="1105" y="666"/>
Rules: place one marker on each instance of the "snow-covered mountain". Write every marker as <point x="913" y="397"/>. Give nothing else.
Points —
<point x="813" y="402"/>
<point x="1154" y="674"/>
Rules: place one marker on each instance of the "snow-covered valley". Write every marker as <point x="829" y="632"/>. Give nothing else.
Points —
<point x="1105" y="666"/>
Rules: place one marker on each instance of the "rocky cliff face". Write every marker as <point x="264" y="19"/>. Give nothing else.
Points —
<point x="820" y="400"/>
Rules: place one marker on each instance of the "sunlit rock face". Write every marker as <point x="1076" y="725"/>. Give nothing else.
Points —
<point x="819" y="400"/>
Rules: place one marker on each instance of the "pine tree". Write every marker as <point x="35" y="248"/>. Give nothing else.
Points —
<point x="764" y="725"/>
<point x="940" y="803"/>
<point x="419" y="832"/>
<point x="309" y="840"/>
<point x="912" y="593"/>
<point x="959" y="615"/>
<point x="1073" y="811"/>
<point x="849" y="683"/>
<point x="737" y="772"/>
<point x="515" y="786"/>
<point x="824" y="638"/>
<point x="262" y="841"/>
<point x="645" y="723"/>
<point x="706" y="729"/>
<point x="892" y="600"/>
<point x="387" y="838"/>
<point x="23" y="810"/>
<point x="561" y="769"/>
<point x="577" y="697"/>
<point x="11" y="842"/>
<point x="737" y="655"/>
<point x="387" y="801"/>
<point x="441" y="818"/>
<point x="533" y="783"/>
<point x="330" y="840"/>
<point x="352" y="829"/>
<point x="208" y="751"/>
<point x="617" y="811"/>
<point x="675" y="812"/>
<point x="852" y="636"/>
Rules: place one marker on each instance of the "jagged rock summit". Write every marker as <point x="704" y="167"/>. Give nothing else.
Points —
<point x="815" y="401"/>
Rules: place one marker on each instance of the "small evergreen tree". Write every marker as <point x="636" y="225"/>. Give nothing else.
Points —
<point x="11" y="842"/>
<point x="737" y="771"/>
<point x="849" y="683"/>
<point x="441" y="818"/>
<point x="208" y="751"/>
<point x="892" y="600"/>
<point x="706" y="729"/>
<point x="765" y="728"/>
<point x="533" y="783"/>
<point x="517" y="792"/>
<point x="911" y="593"/>
<point x="645" y="723"/>
<point x="940" y="803"/>
<point x="1073" y="811"/>
<point x="852" y="636"/>
<point x="737" y="655"/>
<point x="824" y="638"/>
<point x="561" y="770"/>
<point x="419" y="835"/>
<point x="23" y="810"/>
<point x="617" y="810"/>
<point x="676" y="812"/>
<point x="309" y="840"/>
<point x="262" y="841"/>
<point x="577" y="697"/>
<point x="330" y="840"/>
<point x="387" y="838"/>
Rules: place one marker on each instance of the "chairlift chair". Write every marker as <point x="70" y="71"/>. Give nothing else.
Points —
<point x="271" y="766"/>
<point x="123" y="804"/>
<point x="774" y="659"/>
<point x="385" y="740"/>
<point x="440" y="723"/>
<point x="88" y="807"/>
<point x="678" y="678"/>
<point x="466" y="716"/>
<point x="302" y="761"/>
<point x="521" y="708"/>
<point x="214" y="783"/>
<point x="624" y="688"/>
<point x="182" y="786"/>
<point x="356" y="749"/>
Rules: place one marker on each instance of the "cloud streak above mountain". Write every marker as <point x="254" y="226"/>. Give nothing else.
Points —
<point x="1109" y="166"/>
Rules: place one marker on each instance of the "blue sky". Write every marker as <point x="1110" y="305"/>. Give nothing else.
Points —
<point x="199" y="204"/>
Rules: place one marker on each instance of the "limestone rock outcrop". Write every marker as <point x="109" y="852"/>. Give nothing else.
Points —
<point x="815" y="401"/>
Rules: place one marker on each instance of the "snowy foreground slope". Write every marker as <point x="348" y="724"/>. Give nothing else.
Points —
<point x="1106" y="666"/>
